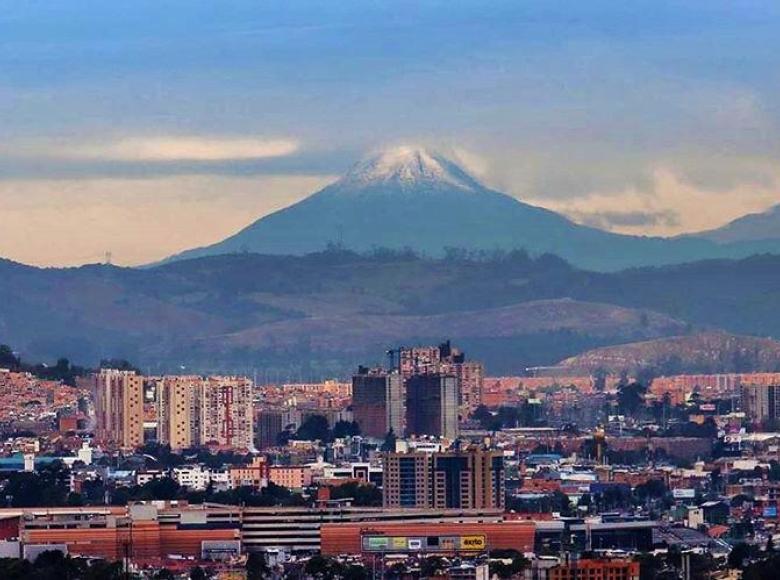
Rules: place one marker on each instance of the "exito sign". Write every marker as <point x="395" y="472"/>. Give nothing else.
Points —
<point x="475" y="543"/>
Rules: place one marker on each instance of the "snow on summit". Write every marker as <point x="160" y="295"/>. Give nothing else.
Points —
<point x="406" y="166"/>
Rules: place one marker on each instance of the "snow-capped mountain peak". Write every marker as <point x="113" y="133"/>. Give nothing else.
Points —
<point x="407" y="166"/>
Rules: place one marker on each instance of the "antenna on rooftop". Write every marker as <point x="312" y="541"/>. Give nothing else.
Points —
<point x="108" y="258"/>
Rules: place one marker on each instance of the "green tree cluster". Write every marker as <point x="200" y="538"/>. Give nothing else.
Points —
<point x="362" y="494"/>
<point x="57" y="566"/>
<point x="316" y="428"/>
<point x="325" y="567"/>
<point x="47" y="487"/>
<point x="166" y="488"/>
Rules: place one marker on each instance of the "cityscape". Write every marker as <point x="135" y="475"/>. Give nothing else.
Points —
<point x="425" y="466"/>
<point x="390" y="290"/>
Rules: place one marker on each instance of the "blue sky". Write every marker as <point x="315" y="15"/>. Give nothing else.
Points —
<point x="148" y="127"/>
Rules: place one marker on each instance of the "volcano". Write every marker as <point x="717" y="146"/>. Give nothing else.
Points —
<point x="407" y="197"/>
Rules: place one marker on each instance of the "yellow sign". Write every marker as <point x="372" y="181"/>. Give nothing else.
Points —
<point x="472" y="542"/>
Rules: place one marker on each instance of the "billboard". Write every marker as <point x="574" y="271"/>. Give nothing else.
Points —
<point x="469" y="543"/>
<point x="473" y="543"/>
<point x="683" y="493"/>
<point x="220" y="549"/>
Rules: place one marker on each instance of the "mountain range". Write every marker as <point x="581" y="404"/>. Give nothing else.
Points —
<point x="322" y="314"/>
<point x="408" y="197"/>
<point x="707" y="352"/>
<point x="754" y="227"/>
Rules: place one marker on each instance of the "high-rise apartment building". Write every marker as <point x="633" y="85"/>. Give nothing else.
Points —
<point x="761" y="403"/>
<point x="432" y="405"/>
<point x="119" y="409"/>
<point x="473" y="478"/>
<point x="226" y="418"/>
<point x="448" y="360"/>
<point x="378" y="402"/>
<point x="269" y="423"/>
<point x="195" y="411"/>
<point x="471" y="379"/>
<point x="178" y="414"/>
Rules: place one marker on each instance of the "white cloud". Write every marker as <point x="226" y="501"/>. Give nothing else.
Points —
<point x="696" y="208"/>
<point x="154" y="148"/>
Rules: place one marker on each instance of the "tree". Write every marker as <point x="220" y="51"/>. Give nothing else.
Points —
<point x="314" y="428"/>
<point x="652" y="488"/>
<point x="631" y="398"/>
<point x="256" y="567"/>
<point x="8" y="360"/>
<point x="55" y="564"/>
<point x="485" y="418"/>
<point x="388" y="445"/>
<point x="75" y="500"/>
<point x="362" y="494"/>
<point x="739" y="553"/>
<point x="765" y="569"/>
<point x="500" y="569"/>
<point x="271" y="495"/>
<point x="561" y="503"/>
<point x="354" y="572"/>
<point x="322" y="567"/>
<point x="716" y="479"/>
<point x="162" y="453"/>
<point x="48" y="487"/>
<point x="101" y="570"/>
<point x="431" y="566"/>
<point x="346" y="429"/>
<point x="650" y="566"/>
<point x="118" y="364"/>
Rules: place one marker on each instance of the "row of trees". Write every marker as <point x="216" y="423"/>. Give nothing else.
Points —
<point x="317" y="428"/>
<point x="165" y="488"/>
<point x="611" y="497"/>
<point x="63" y="370"/>
<point x="49" y="487"/>
<point x="46" y="488"/>
<point x="164" y="457"/>
<point x="55" y="565"/>
<point x="507" y="417"/>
